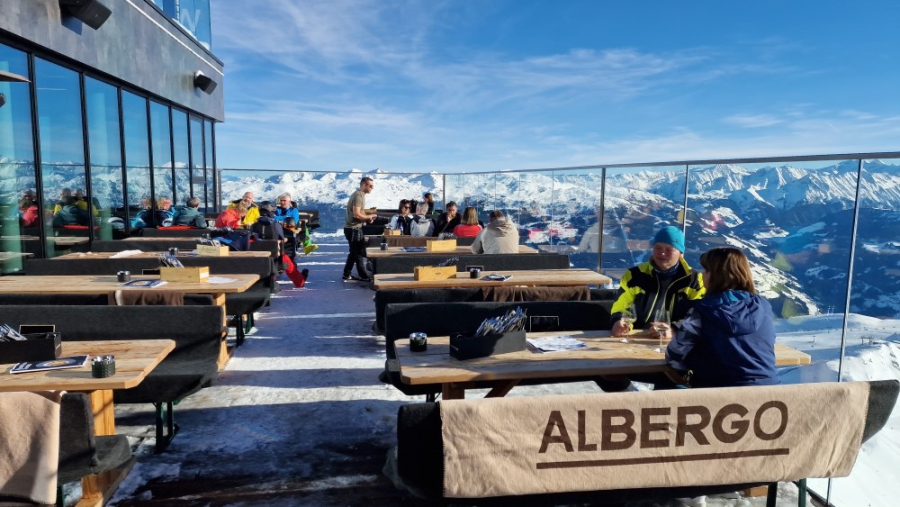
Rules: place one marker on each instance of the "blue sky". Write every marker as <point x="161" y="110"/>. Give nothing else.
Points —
<point x="485" y="85"/>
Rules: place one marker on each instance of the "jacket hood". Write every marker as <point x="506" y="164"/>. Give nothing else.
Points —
<point x="734" y="312"/>
<point x="501" y="226"/>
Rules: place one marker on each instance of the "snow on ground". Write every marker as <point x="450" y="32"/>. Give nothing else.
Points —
<point x="299" y="418"/>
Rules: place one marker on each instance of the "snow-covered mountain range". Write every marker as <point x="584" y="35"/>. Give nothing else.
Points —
<point x="794" y="222"/>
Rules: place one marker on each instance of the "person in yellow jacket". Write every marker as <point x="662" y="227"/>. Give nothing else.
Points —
<point x="252" y="209"/>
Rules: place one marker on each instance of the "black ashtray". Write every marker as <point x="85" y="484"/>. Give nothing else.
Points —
<point x="103" y="366"/>
<point x="418" y="342"/>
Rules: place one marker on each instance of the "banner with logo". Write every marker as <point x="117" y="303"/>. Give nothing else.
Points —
<point x="683" y="437"/>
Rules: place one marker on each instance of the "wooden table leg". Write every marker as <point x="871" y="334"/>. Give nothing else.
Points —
<point x="218" y="300"/>
<point x="104" y="412"/>
<point x="95" y="487"/>
<point x="502" y="388"/>
<point x="451" y="391"/>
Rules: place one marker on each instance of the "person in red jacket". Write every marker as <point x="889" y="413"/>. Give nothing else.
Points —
<point x="231" y="217"/>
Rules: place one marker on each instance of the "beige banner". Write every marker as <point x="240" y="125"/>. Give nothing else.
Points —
<point x="683" y="437"/>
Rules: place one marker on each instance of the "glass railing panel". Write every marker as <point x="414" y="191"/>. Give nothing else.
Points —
<point x="793" y="220"/>
<point x="328" y="192"/>
<point x="872" y="346"/>
<point x="574" y="212"/>
<point x="639" y="201"/>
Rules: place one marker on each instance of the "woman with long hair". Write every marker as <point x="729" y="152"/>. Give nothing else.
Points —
<point x="728" y="337"/>
<point x="469" y="226"/>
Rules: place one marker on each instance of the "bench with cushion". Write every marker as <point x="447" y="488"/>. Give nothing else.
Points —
<point x="428" y="453"/>
<point x="375" y="241"/>
<point x="192" y="365"/>
<point x="463" y="294"/>
<point x="163" y="245"/>
<point x="168" y="232"/>
<point x="238" y="305"/>
<point x="81" y="453"/>
<point x="489" y="262"/>
<point x="442" y="319"/>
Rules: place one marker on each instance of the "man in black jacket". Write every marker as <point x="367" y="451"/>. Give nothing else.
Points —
<point x="448" y="220"/>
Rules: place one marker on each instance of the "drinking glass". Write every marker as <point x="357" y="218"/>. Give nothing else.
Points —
<point x="661" y="325"/>
<point x="629" y="316"/>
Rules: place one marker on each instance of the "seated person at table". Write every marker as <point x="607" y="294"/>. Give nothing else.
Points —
<point x="286" y="209"/>
<point x="728" y="337"/>
<point x="402" y="219"/>
<point x="500" y="236"/>
<point x="231" y="217"/>
<point x="28" y="210"/>
<point x="421" y="225"/>
<point x="70" y="213"/>
<point x="469" y="226"/>
<point x="447" y="221"/>
<point x="266" y="226"/>
<point x="666" y="282"/>
<point x="252" y="209"/>
<point x="190" y="215"/>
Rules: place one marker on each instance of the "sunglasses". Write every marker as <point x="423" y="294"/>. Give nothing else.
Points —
<point x="405" y="207"/>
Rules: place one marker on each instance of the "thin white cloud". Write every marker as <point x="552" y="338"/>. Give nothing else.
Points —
<point x="752" y="120"/>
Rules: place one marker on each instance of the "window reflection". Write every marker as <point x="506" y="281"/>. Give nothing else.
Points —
<point x="19" y="211"/>
<point x="137" y="154"/>
<point x="163" y="189"/>
<point x="181" y="150"/>
<point x="62" y="156"/>
<point x="198" y="176"/>
<point x="106" y="159"/>
<point x="210" y="169"/>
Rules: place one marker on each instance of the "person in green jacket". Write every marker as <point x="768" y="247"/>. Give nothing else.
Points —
<point x="190" y="215"/>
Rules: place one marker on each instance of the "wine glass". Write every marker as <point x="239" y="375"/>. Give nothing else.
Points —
<point x="629" y="316"/>
<point x="661" y="325"/>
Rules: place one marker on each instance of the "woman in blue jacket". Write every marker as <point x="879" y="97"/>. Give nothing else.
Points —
<point x="728" y="338"/>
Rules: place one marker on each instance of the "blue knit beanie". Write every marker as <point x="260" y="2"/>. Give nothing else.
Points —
<point x="670" y="236"/>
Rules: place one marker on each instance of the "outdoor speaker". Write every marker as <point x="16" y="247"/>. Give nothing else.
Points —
<point x="90" y="12"/>
<point x="204" y="82"/>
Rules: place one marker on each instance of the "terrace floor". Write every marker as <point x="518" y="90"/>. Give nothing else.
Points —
<point x="298" y="416"/>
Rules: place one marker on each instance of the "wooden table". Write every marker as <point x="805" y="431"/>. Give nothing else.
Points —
<point x="58" y="240"/>
<point x="101" y="284"/>
<point x="460" y="250"/>
<point x="11" y="256"/>
<point x="153" y="255"/>
<point x="605" y="356"/>
<point x="532" y="278"/>
<point x="134" y="360"/>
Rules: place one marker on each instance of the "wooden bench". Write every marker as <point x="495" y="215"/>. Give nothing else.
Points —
<point x="420" y="457"/>
<point x="238" y="305"/>
<point x="197" y="331"/>
<point x="488" y="262"/>
<point x="438" y="319"/>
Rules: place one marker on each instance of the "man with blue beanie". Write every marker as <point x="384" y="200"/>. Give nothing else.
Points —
<point x="666" y="282"/>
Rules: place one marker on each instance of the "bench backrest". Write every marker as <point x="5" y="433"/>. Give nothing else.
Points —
<point x="420" y="453"/>
<point x="442" y="319"/>
<point x="162" y="245"/>
<point x="489" y="262"/>
<point x="196" y="330"/>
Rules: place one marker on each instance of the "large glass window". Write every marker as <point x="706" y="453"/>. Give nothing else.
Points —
<point x="163" y="187"/>
<point x="182" y="163"/>
<point x="19" y="208"/>
<point x="198" y="170"/>
<point x="107" y="186"/>
<point x="210" y="168"/>
<point x="137" y="156"/>
<point x="193" y="15"/>
<point x="62" y="156"/>
<point x="638" y="202"/>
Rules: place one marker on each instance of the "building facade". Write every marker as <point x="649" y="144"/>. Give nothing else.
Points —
<point x="107" y="120"/>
